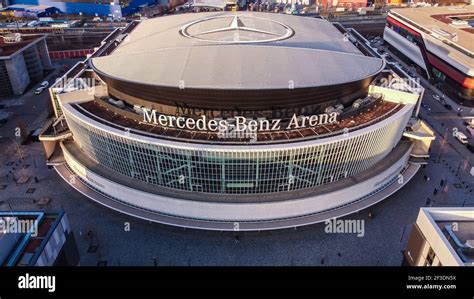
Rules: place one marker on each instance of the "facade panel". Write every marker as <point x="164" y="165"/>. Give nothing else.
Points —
<point x="249" y="170"/>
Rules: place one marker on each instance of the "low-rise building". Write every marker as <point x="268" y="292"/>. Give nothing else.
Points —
<point x="441" y="237"/>
<point x="438" y="42"/>
<point x="23" y="61"/>
<point x="36" y="239"/>
<point x="29" y="11"/>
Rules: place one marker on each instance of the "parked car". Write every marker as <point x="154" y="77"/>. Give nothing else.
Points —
<point x="44" y="84"/>
<point x="461" y="137"/>
<point x="39" y="90"/>
<point x="449" y="107"/>
<point x="436" y="97"/>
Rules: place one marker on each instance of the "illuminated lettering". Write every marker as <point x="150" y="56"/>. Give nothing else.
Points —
<point x="237" y="124"/>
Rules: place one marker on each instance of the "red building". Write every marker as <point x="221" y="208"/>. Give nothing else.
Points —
<point x="438" y="41"/>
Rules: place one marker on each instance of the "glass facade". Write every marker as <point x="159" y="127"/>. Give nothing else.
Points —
<point x="252" y="169"/>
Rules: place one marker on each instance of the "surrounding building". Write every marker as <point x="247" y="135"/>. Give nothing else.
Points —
<point x="36" y="239"/>
<point x="439" y="41"/>
<point x="107" y="8"/>
<point x="226" y="121"/>
<point x="426" y="3"/>
<point x="23" y="61"/>
<point x="29" y="11"/>
<point x="441" y="237"/>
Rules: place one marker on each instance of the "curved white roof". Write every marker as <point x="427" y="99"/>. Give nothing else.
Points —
<point x="241" y="50"/>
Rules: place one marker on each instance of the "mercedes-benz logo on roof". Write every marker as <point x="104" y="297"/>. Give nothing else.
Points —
<point x="239" y="29"/>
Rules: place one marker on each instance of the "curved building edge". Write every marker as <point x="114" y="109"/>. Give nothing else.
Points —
<point x="237" y="216"/>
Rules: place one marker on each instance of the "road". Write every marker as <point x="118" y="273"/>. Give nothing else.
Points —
<point x="30" y="109"/>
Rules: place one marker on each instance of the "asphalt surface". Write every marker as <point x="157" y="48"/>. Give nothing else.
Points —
<point x="30" y="109"/>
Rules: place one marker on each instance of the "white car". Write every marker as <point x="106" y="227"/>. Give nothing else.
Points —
<point x="39" y="90"/>
<point x="461" y="137"/>
<point x="44" y="84"/>
<point x="436" y="97"/>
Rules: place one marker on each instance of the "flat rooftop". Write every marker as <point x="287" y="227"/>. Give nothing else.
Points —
<point x="455" y="226"/>
<point x="28" y="7"/>
<point x="8" y="49"/>
<point x="437" y="22"/>
<point x="21" y="249"/>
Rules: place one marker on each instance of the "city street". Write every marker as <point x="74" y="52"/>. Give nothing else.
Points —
<point x="30" y="109"/>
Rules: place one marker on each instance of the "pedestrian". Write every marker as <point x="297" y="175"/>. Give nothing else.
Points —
<point x="445" y="189"/>
<point x="36" y="180"/>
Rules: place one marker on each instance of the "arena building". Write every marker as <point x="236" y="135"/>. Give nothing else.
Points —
<point x="439" y="42"/>
<point x="234" y="121"/>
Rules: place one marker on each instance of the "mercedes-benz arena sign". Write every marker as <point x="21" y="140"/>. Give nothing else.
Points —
<point x="246" y="121"/>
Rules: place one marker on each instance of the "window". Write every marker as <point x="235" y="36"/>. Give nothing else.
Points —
<point x="430" y="257"/>
<point x="439" y="75"/>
